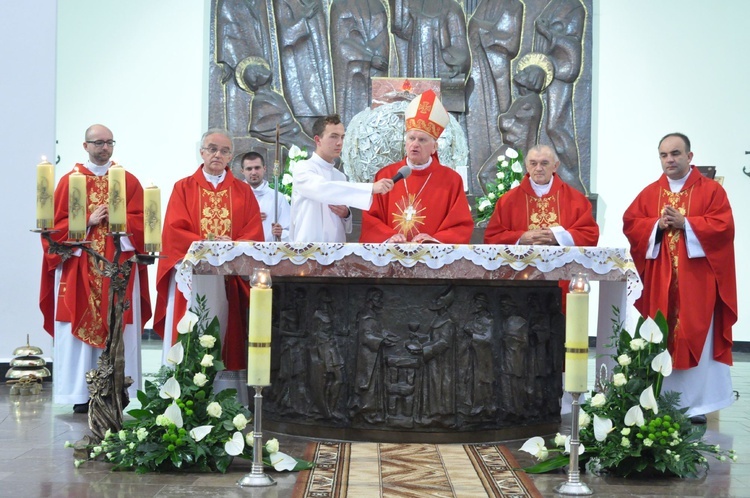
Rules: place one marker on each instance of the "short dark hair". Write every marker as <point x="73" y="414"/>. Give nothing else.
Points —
<point x="684" y="138"/>
<point x="252" y="155"/>
<point x="319" y="127"/>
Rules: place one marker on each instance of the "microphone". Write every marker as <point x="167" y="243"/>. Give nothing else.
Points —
<point x="403" y="172"/>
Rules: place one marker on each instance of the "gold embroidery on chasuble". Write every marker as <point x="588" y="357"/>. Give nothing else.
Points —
<point x="216" y="217"/>
<point x="408" y="216"/>
<point x="671" y="239"/>
<point x="92" y="329"/>
<point x="543" y="212"/>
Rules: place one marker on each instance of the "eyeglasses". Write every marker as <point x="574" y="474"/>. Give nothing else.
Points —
<point x="213" y="150"/>
<point x="100" y="143"/>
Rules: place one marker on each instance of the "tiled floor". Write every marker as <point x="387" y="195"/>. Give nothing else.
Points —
<point x="34" y="461"/>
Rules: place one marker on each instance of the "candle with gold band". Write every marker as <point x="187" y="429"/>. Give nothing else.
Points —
<point x="259" y="334"/>
<point x="77" y="200"/>
<point x="152" y="218"/>
<point x="45" y="189"/>
<point x="577" y="334"/>
<point x="117" y="210"/>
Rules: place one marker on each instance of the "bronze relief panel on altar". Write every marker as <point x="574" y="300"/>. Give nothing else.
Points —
<point x="416" y="357"/>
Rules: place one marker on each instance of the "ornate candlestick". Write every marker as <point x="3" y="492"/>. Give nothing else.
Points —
<point x="259" y="367"/>
<point x="109" y="384"/>
<point x="576" y="375"/>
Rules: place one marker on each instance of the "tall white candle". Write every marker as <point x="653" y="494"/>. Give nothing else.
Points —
<point x="77" y="200"/>
<point x="152" y="218"/>
<point x="45" y="189"/>
<point x="259" y="333"/>
<point x="117" y="210"/>
<point x="577" y="335"/>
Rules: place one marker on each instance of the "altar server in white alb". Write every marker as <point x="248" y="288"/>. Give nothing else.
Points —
<point x="254" y="171"/>
<point x="321" y="195"/>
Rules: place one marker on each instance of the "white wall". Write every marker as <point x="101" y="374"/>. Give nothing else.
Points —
<point x="659" y="67"/>
<point x="140" y="68"/>
<point x="27" y="128"/>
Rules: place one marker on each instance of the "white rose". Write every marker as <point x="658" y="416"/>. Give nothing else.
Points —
<point x="560" y="440"/>
<point x="500" y="158"/>
<point x="200" y="379"/>
<point x="504" y="164"/>
<point x="207" y="361"/>
<point x="272" y="445"/>
<point x="207" y="341"/>
<point x="625" y="442"/>
<point x="214" y="410"/>
<point x="624" y="360"/>
<point x="511" y="153"/>
<point x="637" y="344"/>
<point x="239" y="421"/>
<point x="250" y="438"/>
<point x="619" y="379"/>
<point x="584" y="420"/>
<point x="598" y="400"/>
<point x="491" y="196"/>
<point x="625" y="431"/>
<point x="500" y="187"/>
<point x="500" y="175"/>
<point x="286" y="179"/>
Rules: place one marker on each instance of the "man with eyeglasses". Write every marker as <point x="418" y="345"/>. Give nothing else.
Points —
<point x="211" y="204"/>
<point x="74" y="294"/>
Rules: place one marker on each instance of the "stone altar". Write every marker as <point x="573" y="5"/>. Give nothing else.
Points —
<point x="405" y="342"/>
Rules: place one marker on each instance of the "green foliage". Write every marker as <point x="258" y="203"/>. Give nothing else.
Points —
<point x="662" y="441"/>
<point x="187" y="427"/>
<point x="510" y="171"/>
<point x="286" y="178"/>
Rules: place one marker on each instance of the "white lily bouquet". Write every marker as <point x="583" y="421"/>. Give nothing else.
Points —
<point x="182" y="424"/>
<point x="509" y="174"/>
<point x="629" y="426"/>
<point x="286" y="180"/>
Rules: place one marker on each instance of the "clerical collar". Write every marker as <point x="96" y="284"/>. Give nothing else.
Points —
<point x="214" y="180"/>
<point x="319" y="160"/>
<point x="541" y="190"/>
<point x="98" y="170"/>
<point x="676" y="185"/>
<point x="419" y="166"/>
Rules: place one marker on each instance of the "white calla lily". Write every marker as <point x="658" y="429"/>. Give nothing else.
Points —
<point x="295" y="151"/>
<point x="174" y="414"/>
<point x="170" y="389"/>
<point x="651" y="331"/>
<point x="634" y="416"/>
<point x="602" y="427"/>
<point x="662" y="363"/>
<point x="282" y="461"/>
<point x="648" y="400"/>
<point x="235" y="445"/>
<point x="535" y="446"/>
<point x="187" y="322"/>
<point x="511" y="153"/>
<point x="176" y="354"/>
<point x="200" y="432"/>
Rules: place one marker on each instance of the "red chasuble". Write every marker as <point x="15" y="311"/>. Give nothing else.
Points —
<point x="687" y="290"/>
<point x="430" y="201"/>
<point x="83" y="294"/>
<point x="520" y="210"/>
<point x="197" y="211"/>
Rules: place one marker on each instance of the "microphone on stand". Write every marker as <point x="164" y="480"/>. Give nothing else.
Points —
<point x="403" y="172"/>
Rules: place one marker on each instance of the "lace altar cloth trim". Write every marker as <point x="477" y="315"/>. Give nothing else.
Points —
<point x="600" y="260"/>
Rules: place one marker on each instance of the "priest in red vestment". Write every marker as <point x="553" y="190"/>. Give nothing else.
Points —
<point x="542" y="209"/>
<point x="211" y="204"/>
<point x="74" y="294"/>
<point x="681" y="234"/>
<point x="429" y="206"/>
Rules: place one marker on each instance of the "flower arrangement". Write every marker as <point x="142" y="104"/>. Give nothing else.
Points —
<point x="629" y="426"/>
<point x="509" y="175"/>
<point x="287" y="179"/>
<point x="182" y="424"/>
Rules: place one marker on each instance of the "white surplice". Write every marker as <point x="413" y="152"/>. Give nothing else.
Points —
<point x="317" y="185"/>
<point x="265" y="195"/>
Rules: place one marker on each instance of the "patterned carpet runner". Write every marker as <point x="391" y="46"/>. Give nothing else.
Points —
<point x="364" y="470"/>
